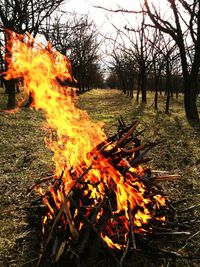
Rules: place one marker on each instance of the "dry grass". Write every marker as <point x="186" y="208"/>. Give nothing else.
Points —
<point x="24" y="159"/>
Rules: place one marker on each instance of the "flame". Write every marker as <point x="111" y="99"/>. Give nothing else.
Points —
<point x="110" y="242"/>
<point x="73" y="140"/>
<point x="160" y="200"/>
<point x="41" y="68"/>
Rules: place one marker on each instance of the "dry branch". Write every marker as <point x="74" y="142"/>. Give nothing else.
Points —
<point x="86" y="217"/>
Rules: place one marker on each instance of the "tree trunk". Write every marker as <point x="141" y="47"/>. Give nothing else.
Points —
<point x="157" y="78"/>
<point x="161" y="86"/>
<point x="168" y="85"/>
<point x="156" y="92"/>
<point x="190" y="100"/>
<point x="156" y="98"/>
<point x="10" y="85"/>
<point x="10" y="88"/>
<point x="131" y="93"/>
<point x="138" y="90"/>
<point x="144" y="85"/>
<point x="1" y="69"/>
<point x="167" y="101"/>
<point x="138" y="94"/>
<point x="1" y="82"/>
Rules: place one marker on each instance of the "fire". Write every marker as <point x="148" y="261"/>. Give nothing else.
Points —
<point x="110" y="242"/>
<point x="73" y="141"/>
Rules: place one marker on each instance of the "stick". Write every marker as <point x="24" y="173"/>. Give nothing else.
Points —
<point x="40" y="182"/>
<point x="65" y="203"/>
<point x="144" y="152"/>
<point x="123" y="138"/>
<point x="102" y="146"/>
<point x="104" y="244"/>
<point x="190" y="239"/>
<point x="190" y="208"/>
<point x="71" y="223"/>
<point x="87" y="234"/>
<point x="132" y="150"/>
<point x="131" y="226"/>
<point x="172" y="233"/>
<point x="61" y="211"/>
<point x="125" y="252"/>
<point x="162" y="178"/>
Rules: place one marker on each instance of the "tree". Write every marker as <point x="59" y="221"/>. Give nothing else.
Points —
<point x="112" y="80"/>
<point x="22" y="16"/>
<point x="181" y="27"/>
<point x="142" y="48"/>
<point x="77" y="38"/>
<point x="157" y="65"/>
<point x="122" y="68"/>
<point x="84" y="53"/>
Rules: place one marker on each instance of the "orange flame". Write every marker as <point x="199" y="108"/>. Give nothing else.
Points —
<point x="41" y="68"/>
<point x="74" y="135"/>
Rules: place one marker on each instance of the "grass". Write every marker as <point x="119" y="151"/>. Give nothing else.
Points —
<point x="24" y="159"/>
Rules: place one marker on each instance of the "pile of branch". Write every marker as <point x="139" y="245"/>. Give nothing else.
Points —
<point x="79" y="223"/>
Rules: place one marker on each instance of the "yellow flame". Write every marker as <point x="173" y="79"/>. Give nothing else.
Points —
<point x="110" y="242"/>
<point x="41" y="68"/>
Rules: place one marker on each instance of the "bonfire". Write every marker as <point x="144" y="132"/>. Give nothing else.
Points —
<point x="101" y="191"/>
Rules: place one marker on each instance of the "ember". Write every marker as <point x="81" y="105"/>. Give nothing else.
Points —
<point x="100" y="190"/>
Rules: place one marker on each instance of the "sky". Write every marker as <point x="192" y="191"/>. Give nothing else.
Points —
<point x="83" y="6"/>
<point x="103" y="19"/>
<point x="99" y="15"/>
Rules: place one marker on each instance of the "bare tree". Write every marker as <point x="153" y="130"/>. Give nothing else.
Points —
<point x="133" y="58"/>
<point x="142" y="49"/>
<point x="122" y="67"/>
<point x="184" y="29"/>
<point x="84" y="53"/>
<point x="157" y="68"/>
<point x="77" y="37"/>
<point x="23" y="16"/>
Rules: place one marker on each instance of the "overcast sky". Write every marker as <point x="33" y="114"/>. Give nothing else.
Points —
<point x="99" y="15"/>
<point x="102" y="17"/>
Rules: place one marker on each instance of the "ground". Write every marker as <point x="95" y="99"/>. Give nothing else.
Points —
<point x="25" y="159"/>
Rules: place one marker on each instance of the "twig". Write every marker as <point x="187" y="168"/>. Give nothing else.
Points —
<point x="66" y="201"/>
<point x="172" y="233"/>
<point x="132" y="150"/>
<point x="180" y="225"/>
<point x="131" y="226"/>
<point x="162" y="178"/>
<point x="61" y="211"/>
<point x="144" y="152"/>
<point x="37" y="183"/>
<point x="119" y="10"/>
<point x="87" y="233"/>
<point x="104" y="244"/>
<point x="123" y="138"/>
<point x="125" y="252"/>
<point x="71" y="223"/>
<point x="103" y="145"/>
<point x="190" y="208"/>
<point x="190" y="239"/>
<point x="112" y="214"/>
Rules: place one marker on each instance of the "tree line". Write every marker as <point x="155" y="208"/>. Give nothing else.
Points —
<point x="161" y="52"/>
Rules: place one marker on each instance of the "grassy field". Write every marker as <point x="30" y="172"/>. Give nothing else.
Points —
<point x="25" y="159"/>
